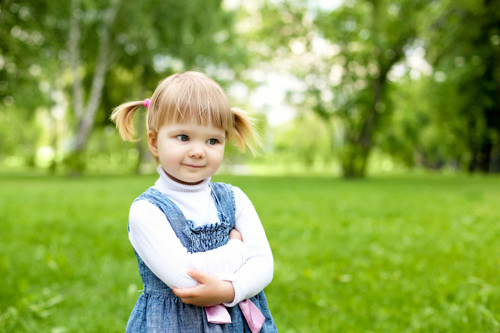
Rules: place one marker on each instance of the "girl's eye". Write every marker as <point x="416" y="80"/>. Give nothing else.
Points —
<point x="212" y="141"/>
<point x="182" y="137"/>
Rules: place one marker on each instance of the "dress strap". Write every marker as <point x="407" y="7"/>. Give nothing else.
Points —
<point x="170" y="209"/>
<point x="224" y="200"/>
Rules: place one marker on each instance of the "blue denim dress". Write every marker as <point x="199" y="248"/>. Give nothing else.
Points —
<point x="158" y="309"/>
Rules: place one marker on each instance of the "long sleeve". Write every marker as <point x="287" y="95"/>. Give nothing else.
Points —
<point x="156" y="243"/>
<point x="257" y="272"/>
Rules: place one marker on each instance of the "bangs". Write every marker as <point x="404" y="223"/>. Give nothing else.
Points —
<point x="190" y="97"/>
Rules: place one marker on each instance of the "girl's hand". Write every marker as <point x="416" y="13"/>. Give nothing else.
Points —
<point x="235" y="234"/>
<point x="210" y="290"/>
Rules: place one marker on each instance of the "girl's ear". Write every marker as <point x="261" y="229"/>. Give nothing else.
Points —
<point x="152" y="143"/>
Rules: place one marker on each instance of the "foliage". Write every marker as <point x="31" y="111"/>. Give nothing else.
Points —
<point x="306" y="139"/>
<point x="424" y="132"/>
<point x="345" y="56"/>
<point x="352" y="62"/>
<point x="28" y="60"/>
<point x="350" y="57"/>
<point x="463" y="42"/>
<point x="19" y="132"/>
<point x="447" y="115"/>
<point x="92" y="46"/>
<point x="348" y="257"/>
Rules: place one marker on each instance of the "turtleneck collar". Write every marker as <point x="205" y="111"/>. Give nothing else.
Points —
<point x="167" y="184"/>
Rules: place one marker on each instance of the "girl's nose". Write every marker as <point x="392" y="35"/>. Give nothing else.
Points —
<point x="196" y="151"/>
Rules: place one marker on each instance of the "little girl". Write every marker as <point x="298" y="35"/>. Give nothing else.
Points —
<point x="186" y="231"/>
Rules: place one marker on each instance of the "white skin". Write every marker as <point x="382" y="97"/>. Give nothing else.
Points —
<point x="190" y="153"/>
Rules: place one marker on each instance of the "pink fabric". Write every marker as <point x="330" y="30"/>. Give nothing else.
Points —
<point x="146" y="102"/>
<point x="255" y="319"/>
<point x="218" y="314"/>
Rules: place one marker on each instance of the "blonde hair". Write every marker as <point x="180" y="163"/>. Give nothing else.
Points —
<point x="189" y="96"/>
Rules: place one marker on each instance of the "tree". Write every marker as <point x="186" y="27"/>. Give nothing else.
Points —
<point x="29" y="71"/>
<point x="463" y="43"/>
<point x="369" y="39"/>
<point x="161" y="31"/>
<point x="85" y="111"/>
<point x="343" y="56"/>
<point x="80" y="42"/>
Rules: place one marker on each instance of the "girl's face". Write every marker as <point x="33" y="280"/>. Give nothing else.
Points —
<point x="188" y="152"/>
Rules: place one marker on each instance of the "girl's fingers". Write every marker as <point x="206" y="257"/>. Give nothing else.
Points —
<point x="204" y="294"/>
<point x="198" y="275"/>
<point x="190" y="292"/>
<point x="184" y="292"/>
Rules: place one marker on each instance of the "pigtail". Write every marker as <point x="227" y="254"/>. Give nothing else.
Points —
<point x="123" y="116"/>
<point x="244" y="131"/>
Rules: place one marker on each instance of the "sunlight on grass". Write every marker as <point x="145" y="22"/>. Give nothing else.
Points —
<point x="388" y="254"/>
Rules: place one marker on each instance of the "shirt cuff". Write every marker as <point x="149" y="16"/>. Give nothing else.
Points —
<point x="238" y="290"/>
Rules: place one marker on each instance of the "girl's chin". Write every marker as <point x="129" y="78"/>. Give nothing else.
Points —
<point x="185" y="181"/>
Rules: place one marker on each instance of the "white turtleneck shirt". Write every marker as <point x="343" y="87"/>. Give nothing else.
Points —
<point x="248" y="264"/>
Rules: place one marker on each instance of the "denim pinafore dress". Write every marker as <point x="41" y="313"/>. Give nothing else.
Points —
<point x="158" y="309"/>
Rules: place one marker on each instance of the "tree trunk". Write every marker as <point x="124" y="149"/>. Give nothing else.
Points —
<point x="481" y="157"/>
<point x="355" y="159"/>
<point x="85" y="112"/>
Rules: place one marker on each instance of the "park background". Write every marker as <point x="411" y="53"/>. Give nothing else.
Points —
<point x="377" y="181"/>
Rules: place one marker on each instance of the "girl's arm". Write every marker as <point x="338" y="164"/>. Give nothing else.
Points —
<point x="255" y="274"/>
<point x="158" y="246"/>
<point x="209" y="291"/>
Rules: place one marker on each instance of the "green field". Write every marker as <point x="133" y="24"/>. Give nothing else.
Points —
<point x="386" y="254"/>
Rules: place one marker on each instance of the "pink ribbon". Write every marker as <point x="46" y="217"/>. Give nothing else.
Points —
<point x="255" y="318"/>
<point x="218" y="314"/>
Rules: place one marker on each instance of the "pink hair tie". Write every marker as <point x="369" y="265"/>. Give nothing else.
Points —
<point x="146" y="102"/>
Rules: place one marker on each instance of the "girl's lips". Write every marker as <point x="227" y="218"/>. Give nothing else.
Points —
<point x="193" y="166"/>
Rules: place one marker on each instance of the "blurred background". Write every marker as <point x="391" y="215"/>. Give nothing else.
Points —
<point x="337" y="87"/>
<point x="401" y="95"/>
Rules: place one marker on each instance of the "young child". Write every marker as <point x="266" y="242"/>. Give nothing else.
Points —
<point x="186" y="231"/>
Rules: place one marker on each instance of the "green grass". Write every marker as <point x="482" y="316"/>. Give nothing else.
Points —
<point x="393" y="254"/>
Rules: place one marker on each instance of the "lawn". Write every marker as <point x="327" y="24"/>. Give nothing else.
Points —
<point x="386" y="254"/>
